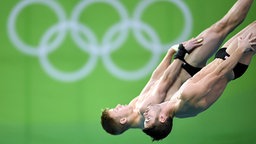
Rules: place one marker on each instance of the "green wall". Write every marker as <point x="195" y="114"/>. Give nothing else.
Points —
<point x="59" y="68"/>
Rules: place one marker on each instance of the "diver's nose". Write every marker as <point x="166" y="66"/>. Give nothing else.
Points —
<point x="146" y="112"/>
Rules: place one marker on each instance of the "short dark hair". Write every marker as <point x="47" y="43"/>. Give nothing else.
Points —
<point x="110" y="125"/>
<point x="159" y="130"/>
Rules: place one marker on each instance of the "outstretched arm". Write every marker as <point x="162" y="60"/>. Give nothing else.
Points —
<point x="159" y="70"/>
<point x="244" y="45"/>
<point x="189" y="45"/>
<point x="163" y="64"/>
<point x="158" y="94"/>
<point x="172" y="72"/>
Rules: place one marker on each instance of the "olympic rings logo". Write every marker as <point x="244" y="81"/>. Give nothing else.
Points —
<point x="92" y="46"/>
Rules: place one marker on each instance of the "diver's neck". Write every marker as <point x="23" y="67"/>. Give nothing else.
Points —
<point x="137" y="120"/>
<point x="168" y="108"/>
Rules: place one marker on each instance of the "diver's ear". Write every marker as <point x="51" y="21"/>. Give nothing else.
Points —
<point x="123" y="120"/>
<point x="162" y="118"/>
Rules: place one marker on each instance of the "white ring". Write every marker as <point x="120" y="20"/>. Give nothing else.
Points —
<point x="185" y="11"/>
<point x="135" y="74"/>
<point x="116" y="4"/>
<point x="91" y="45"/>
<point x="12" y="22"/>
<point x="63" y="76"/>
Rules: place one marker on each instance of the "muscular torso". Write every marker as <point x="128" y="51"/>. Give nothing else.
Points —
<point x="147" y="95"/>
<point x="200" y="92"/>
<point x="150" y="95"/>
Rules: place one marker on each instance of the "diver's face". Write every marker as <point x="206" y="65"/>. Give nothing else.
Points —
<point x="151" y="115"/>
<point x="120" y="110"/>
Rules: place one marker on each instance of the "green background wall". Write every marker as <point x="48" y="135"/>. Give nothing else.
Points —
<point x="37" y="107"/>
